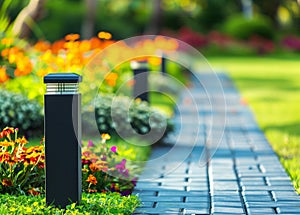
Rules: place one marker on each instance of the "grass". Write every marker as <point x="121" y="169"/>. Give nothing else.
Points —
<point x="164" y="103"/>
<point x="271" y="86"/>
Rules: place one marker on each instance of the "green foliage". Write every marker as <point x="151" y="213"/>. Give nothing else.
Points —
<point x="240" y="27"/>
<point x="91" y="204"/>
<point x="30" y="86"/>
<point x="127" y="115"/>
<point x="17" y="111"/>
<point x="213" y="13"/>
<point x="4" y="18"/>
<point x="69" y="14"/>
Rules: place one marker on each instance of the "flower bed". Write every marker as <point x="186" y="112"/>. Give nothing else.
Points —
<point x="104" y="172"/>
<point x="22" y="168"/>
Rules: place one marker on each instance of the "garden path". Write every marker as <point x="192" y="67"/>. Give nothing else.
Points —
<point x="244" y="175"/>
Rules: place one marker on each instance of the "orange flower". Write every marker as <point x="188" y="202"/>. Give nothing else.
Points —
<point x="7" y="131"/>
<point x="22" y="140"/>
<point x="84" y="46"/>
<point x="33" y="192"/>
<point x="92" y="190"/>
<point x="57" y="46"/>
<point x="111" y="79"/>
<point x="3" y="76"/>
<point x="92" y="180"/>
<point x="105" y="136"/>
<point x="5" y="52"/>
<point x="24" y="66"/>
<point x="95" y="43"/>
<point x="4" y="156"/>
<point x="42" y="46"/>
<point x="7" y="182"/>
<point x="72" y="37"/>
<point x="99" y="166"/>
<point x="6" y="143"/>
<point x="94" y="167"/>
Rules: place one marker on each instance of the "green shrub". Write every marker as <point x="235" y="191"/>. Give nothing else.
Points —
<point x="164" y="84"/>
<point x="19" y="112"/>
<point x="240" y="27"/>
<point x="99" y="203"/>
<point x="104" y="170"/>
<point x="126" y="116"/>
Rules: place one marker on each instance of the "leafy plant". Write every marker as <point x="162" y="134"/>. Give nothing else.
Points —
<point x="115" y="114"/>
<point x="17" y="111"/>
<point x="242" y="28"/>
<point x="103" y="171"/>
<point x="91" y="204"/>
<point x="21" y="168"/>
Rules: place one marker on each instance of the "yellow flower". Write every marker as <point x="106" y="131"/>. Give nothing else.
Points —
<point x="5" y="143"/>
<point x="7" y="41"/>
<point x="73" y="205"/>
<point x="28" y="210"/>
<point x="22" y="140"/>
<point x="46" y="57"/>
<point x="105" y="136"/>
<point x="13" y="209"/>
<point x="104" y="35"/>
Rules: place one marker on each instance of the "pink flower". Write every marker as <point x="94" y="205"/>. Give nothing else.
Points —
<point x="90" y="144"/>
<point x="113" y="149"/>
<point x="122" y="169"/>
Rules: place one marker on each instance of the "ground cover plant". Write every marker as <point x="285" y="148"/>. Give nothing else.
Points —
<point x="91" y="204"/>
<point x="271" y="85"/>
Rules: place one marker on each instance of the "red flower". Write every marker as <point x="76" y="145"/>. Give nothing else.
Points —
<point x="33" y="192"/>
<point x="92" y="190"/>
<point x="7" y="182"/>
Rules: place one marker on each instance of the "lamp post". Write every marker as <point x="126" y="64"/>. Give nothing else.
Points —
<point x="140" y="72"/>
<point x="62" y="139"/>
<point x="163" y="64"/>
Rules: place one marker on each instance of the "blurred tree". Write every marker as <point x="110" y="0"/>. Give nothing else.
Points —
<point x="269" y="8"/>
<point x="247" y="8"/>
<point x="214" y="12"/>
<point x="155" y="21"/>
<point x="28" y="17"/>
<point x="88" y="25"/>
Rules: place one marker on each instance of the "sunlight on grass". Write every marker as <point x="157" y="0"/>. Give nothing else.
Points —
<point x="271" y="85"/>
<point x="163" y="103"/>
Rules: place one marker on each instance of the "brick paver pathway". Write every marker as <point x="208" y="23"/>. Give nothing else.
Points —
<point x="244" y="175"/>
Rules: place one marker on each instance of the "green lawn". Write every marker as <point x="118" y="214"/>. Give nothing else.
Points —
<point x="271" y="85"/>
